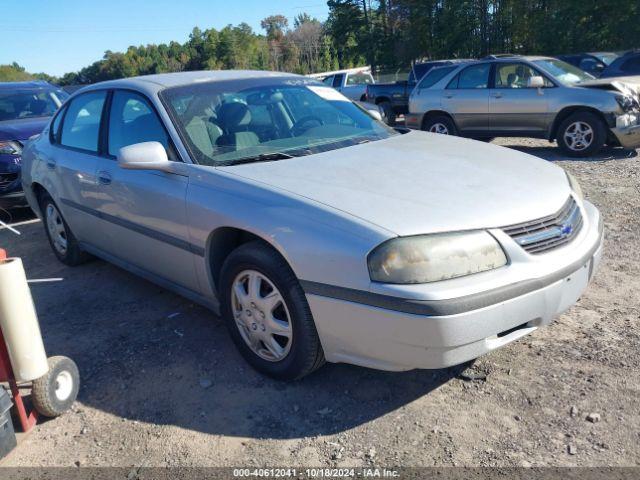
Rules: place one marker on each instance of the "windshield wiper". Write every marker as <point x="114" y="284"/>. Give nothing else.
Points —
<point x="263" y="157"/>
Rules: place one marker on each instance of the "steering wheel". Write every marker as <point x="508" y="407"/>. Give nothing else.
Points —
<point x="305" y="123"/>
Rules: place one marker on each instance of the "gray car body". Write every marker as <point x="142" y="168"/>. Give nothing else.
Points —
<point x="521" y="112"/>
<point x="325" y="213"/>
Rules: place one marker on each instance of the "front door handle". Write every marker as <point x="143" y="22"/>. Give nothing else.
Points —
<point x="497" y="95"/>
<point x="104" y="178"/>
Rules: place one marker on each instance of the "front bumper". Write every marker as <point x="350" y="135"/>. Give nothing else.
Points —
<point x="399" y="338"/>
<point x="627" y="130"/>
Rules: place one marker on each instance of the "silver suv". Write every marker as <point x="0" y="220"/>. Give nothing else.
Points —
<point x="536" y="97"/>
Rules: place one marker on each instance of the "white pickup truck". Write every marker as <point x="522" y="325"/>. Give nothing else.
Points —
<point x="352" y="83"/>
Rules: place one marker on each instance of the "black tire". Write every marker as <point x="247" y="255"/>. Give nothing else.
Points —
<point x="444" y="120"/>
<point x="73" y="255"/>
<point x="388" y="113"/>
<point x="45" y="392"/>
<point x="597" y="139"/>
<point x="305" y="354"/>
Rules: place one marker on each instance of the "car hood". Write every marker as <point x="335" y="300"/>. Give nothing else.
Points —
<point x="626" y="85"/>
<point x="22" y="129"/>
<point x="422" y="183"/>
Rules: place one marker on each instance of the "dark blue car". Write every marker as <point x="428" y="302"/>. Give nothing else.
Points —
<point x="25" y="109"/>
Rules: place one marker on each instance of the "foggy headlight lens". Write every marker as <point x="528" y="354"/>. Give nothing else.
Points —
<point x="10" y="148"/>
<point x="575" y="186"/>
<point x="430" y="258"/>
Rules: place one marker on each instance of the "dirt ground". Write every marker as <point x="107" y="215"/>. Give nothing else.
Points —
<point x="162" y="384"/>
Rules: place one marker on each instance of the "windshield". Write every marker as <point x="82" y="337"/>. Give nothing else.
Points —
<point x="606" y="58"/>
<point x="19" y="104"/>
<point x="563" y="72"/>
<point x="231" y="122"/>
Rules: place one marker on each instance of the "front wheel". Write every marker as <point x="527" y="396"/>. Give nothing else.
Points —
<point x="267" y="314"/>
<point x="581" y="134"/>
<point x="440" y="124"/>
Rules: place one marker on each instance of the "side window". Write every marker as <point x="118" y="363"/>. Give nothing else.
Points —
<point x="54" y="131"/>
<point x="475" y="76"/>
<point x="516" y="75"/>
<point x="81" y="126"/>
<point x="632" y="65"/>
<point x="132" y="120"/>
<point x="337" y="81"/>
<point x="328" y="80"/>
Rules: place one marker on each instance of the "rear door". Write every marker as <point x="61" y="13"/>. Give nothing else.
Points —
<point x="143" y="212"/>
<point x="71" y="165"/>
<point x="514" y="107"/>
<point x="466" y="98"/>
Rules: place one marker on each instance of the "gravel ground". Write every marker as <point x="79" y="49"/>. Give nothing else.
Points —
<point x="164" y="386"/>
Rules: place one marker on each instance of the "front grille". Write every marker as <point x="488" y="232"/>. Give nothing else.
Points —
<point x="7" y="179"/>
<point x="548" y="233"/>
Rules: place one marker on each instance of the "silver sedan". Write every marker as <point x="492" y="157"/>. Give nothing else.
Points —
<point x="316" y="231"/>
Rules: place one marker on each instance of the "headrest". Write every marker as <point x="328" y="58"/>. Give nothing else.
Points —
<point x="233" y="115"/>
<point x="37" y="106"/>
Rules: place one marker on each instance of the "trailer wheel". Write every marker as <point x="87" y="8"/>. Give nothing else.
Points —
<point x="54" y="393"/>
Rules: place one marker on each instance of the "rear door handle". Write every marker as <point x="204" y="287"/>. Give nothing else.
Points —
<point x="448" y="95"/>
<point x="104" y="178"/>
<point x="51" y="164"/>
<point x="497" y="95"/>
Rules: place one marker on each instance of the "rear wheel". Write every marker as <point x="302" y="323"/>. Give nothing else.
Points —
<point x="62" y="241"/>
<point x="267" y="314"/>
<point x="440" y="124"/>
<point x="581" y="134"/>
<point x="388" y="113"/>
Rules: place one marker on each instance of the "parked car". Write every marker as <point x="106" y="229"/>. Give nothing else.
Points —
<point x="536" y="97"/>
<point x="25" y="109"/>
<point x="393" y="98"/>
<point x="318" y="232"/>
<point x="352" y="83"/>
<point x="625" y="65"/>
<point x="593" y="63"/>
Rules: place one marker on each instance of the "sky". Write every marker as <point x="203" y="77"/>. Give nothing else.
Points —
<point x="62" y="36"/>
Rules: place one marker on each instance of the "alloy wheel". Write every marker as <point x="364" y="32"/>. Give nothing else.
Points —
<point x="440" y="128"/>
<point x="261" y="315"/>
<point x="578" y="136"/>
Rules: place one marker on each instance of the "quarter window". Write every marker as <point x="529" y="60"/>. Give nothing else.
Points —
<point x="132" y="120"/>
<point x="434" y="76"/>
<point x="55" y="126"/>
<point x="337" y="81"/>
<point x="81" y="126"/>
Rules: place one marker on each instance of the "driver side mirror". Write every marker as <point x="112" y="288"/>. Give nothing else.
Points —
<point x="144" y="156"/>
<point x="375" y="113"/>
<point x="535" y="82"/>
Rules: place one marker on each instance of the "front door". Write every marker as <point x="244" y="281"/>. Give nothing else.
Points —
<point x="514" y="108"/>
<point x="143" y="212"/>
<point x="466" y="99"/>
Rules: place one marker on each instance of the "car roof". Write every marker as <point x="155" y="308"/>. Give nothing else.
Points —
<point x="31" y="84"/>
<point x="160" y="81"/>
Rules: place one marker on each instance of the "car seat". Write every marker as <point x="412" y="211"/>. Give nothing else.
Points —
<point x="234" y="118"/>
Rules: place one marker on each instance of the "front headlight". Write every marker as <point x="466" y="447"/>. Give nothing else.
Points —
<point x="430" y="258"/>
<point x="575" y="186"/>
<point x="10" y="148"/>
<point x="626" y="102"/>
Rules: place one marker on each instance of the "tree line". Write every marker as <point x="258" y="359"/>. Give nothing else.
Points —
<point x="386" y="34"/>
